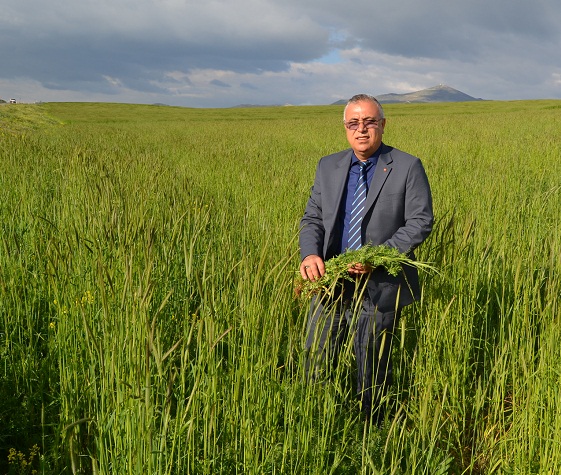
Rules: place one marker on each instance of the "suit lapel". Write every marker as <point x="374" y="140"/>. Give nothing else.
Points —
<point x="338" y="179"/>
<point x="381" y="174"/>
<point x="335" y="181"/>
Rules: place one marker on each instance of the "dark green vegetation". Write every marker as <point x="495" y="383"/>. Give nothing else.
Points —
<point x="147" y="317"/>
<point x="368" y="257"/>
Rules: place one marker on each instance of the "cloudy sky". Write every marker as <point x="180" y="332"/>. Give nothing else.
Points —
<point x="221" y="53"/>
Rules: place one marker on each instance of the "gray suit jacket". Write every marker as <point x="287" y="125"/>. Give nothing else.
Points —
<point x="398" y="214"/>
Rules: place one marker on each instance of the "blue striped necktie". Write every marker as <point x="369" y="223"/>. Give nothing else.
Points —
<point x="358" y="207"/>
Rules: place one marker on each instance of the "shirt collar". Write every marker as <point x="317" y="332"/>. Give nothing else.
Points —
<point x="372" y="159"/>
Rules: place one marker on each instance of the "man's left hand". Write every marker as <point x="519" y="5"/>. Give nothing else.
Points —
<point x="359" y="269"/>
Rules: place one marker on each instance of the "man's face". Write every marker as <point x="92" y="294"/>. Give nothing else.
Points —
<point x="364" y="140"/>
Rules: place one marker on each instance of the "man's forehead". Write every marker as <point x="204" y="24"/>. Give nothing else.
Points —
<point x="361" y="109"/>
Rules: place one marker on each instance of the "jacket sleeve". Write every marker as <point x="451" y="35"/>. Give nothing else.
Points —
<point x="312" y="230"/>
<point x="418" y="212"/>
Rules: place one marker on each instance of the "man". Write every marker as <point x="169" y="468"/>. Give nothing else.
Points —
<point x="394" y="209"/>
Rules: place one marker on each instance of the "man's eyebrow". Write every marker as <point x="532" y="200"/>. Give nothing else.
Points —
<point x="354" y="119"/>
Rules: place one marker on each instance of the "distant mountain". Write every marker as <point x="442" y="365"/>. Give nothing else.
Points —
<point x="440" y="93"/>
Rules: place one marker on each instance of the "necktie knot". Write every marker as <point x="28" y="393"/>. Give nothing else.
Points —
<point x="364" y="166"/>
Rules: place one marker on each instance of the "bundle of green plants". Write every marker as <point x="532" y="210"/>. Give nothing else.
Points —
<point x="367" y="257"/>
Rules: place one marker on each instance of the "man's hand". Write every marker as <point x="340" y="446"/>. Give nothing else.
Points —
<point x="312" y="267"/>
<point x="359" y="269"/>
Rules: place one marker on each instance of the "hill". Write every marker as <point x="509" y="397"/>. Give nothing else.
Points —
<point x="440" y="93"/>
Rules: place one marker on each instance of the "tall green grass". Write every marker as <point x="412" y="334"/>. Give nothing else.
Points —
<point x="148" y="320"/>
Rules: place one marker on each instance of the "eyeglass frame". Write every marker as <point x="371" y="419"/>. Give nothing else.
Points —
<point x="368" y="123"/>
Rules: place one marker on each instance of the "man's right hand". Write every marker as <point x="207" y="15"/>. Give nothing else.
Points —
<point x="312" y="267"/>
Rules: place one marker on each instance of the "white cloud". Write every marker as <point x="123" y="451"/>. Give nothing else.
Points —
<point x="556" y="79"/>
<point x="225" y="52"/>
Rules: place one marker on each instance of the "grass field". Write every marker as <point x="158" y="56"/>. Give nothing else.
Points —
<point x="148" y="322"/>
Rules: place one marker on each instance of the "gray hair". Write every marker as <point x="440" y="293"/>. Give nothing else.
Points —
<point x="364" y="98"/>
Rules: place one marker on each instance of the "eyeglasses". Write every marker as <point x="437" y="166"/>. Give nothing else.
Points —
<point x="368" y="123"/>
